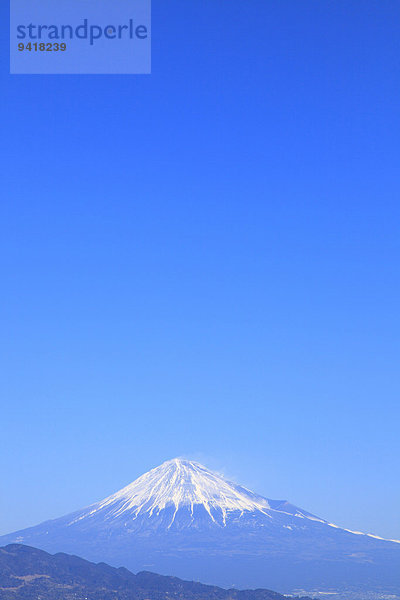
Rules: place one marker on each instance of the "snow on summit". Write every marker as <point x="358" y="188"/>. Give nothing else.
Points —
<point x="181" y="483"/>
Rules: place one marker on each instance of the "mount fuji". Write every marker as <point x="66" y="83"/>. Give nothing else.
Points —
<point x="185" y="520"/>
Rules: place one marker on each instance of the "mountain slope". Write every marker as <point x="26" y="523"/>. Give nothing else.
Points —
<point x="182" y="494"/>
<point x="182" y="519"/>
<point x="27" y="573"/>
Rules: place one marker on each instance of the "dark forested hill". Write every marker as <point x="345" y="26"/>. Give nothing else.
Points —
<point x="30" y="574"/>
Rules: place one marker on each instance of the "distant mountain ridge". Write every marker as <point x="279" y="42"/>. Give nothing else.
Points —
<point x="28" y="574"/>
<point x="182" y="519"/>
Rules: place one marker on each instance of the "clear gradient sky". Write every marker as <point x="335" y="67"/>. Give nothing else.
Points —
<point x="205" y="262"/>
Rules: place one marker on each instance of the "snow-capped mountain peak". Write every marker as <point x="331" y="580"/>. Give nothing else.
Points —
<point x="180" y="483"/>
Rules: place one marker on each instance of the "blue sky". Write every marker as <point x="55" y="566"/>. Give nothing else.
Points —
<point x="205" y="262"/>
